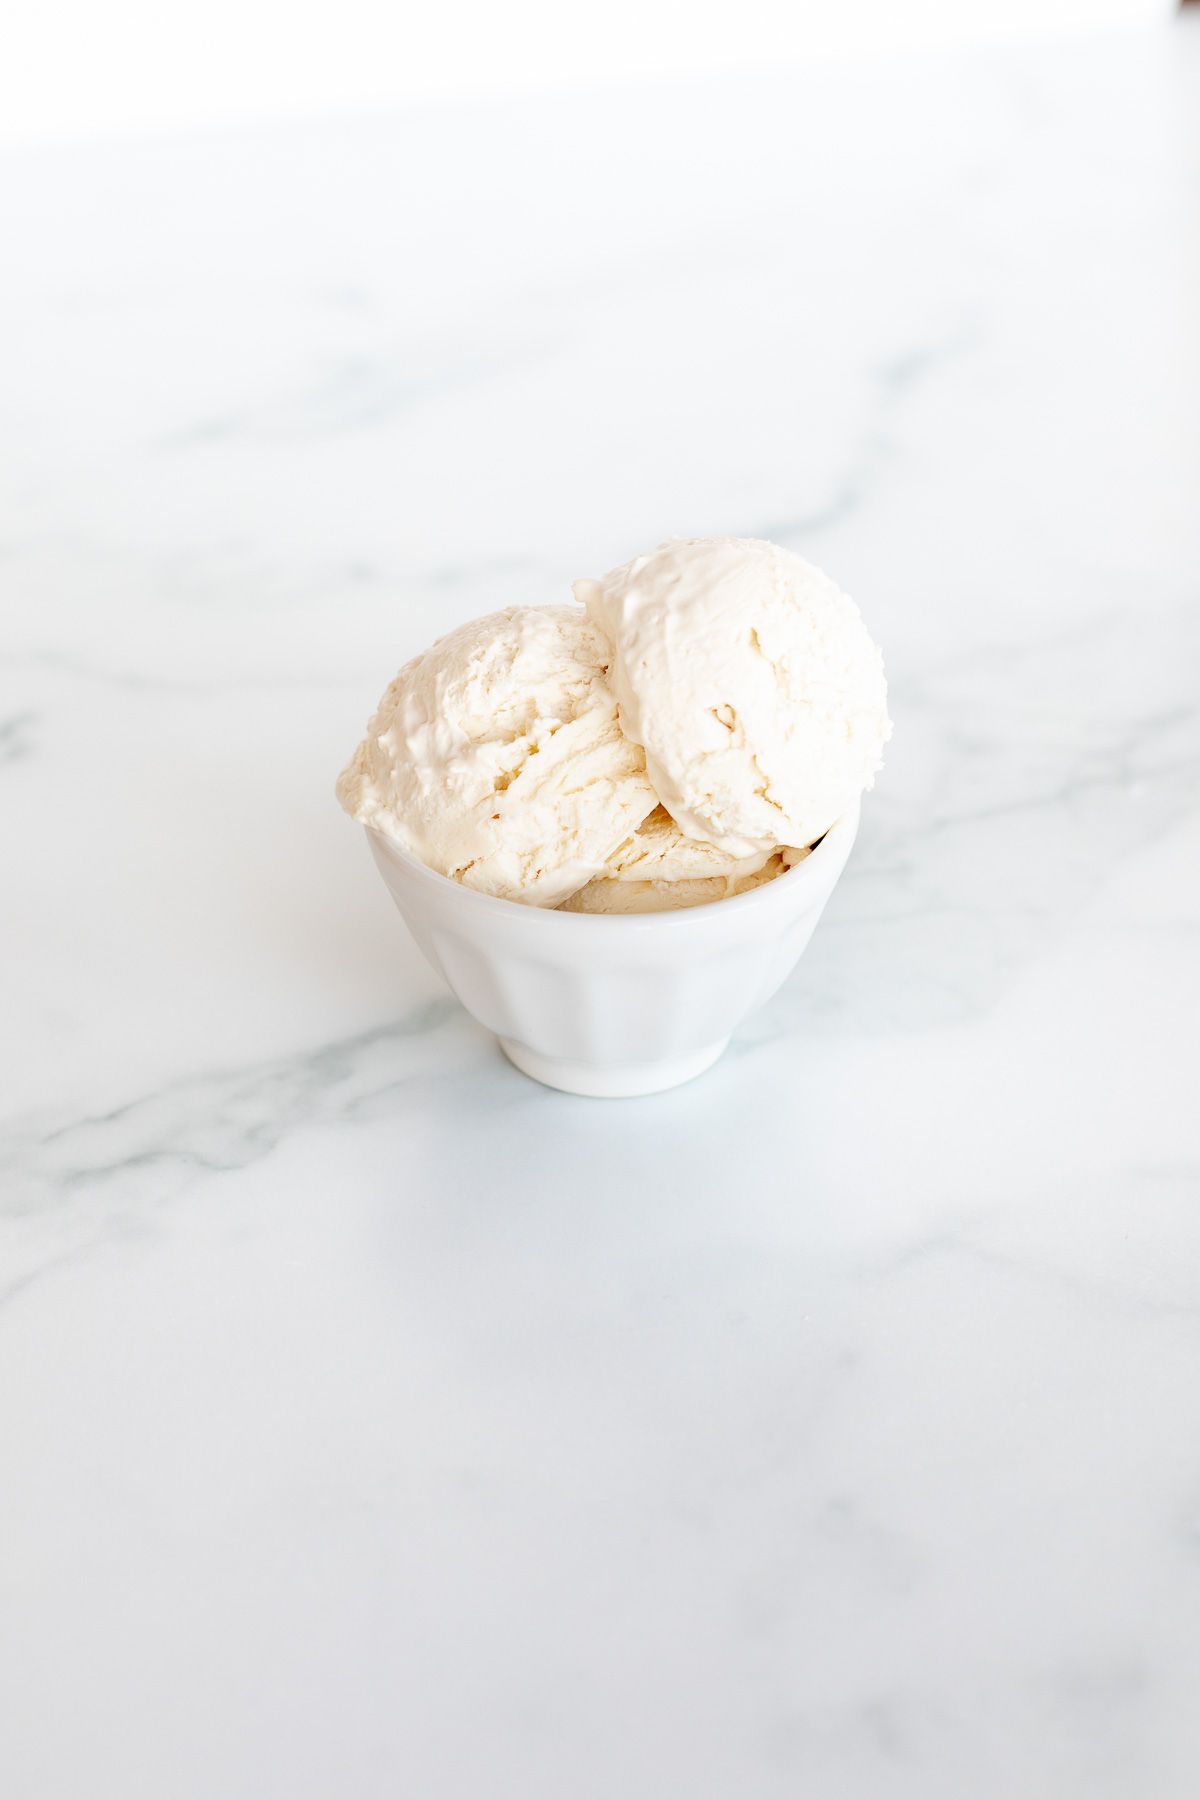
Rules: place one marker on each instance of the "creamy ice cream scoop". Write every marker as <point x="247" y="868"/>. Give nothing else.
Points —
<point x="659" y="851"/>
<point x="750" y="680"/>
<point x="606" y="895"/>
<point x="496" y="757"/>
<point x="658" y="869"/>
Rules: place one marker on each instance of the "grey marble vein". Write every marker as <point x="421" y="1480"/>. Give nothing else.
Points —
<point x="216" y="1121"/>
<point x="16" y="736"/>
<point x="877" y="448"/>
<point x="357" y="394"/>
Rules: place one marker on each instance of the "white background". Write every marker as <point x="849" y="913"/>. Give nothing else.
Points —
<point x="135" y="65"/>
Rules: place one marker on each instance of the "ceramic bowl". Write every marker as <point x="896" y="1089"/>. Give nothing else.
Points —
<point x="614" y="1006"/>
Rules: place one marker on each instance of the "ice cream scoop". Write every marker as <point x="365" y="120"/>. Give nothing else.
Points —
<point x="659" y="869"/>
<point x="750" y="681"/>
<point x="497" y="759"/>
<point x="608" y="895"/>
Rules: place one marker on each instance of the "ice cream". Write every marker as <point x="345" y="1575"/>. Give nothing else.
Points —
<point x="682" y="737"/>
<point x="658" y="851"/>
<point x="660" y="870"/>
<point x="608" y="895"/>
<point x="751" y="683"/>
<point x="496" y="757"/>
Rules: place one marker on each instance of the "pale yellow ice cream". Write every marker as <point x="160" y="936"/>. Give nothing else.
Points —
<point x="659" y="870"/>
<point x="496" y="757"/>
<point x="685" y="736"/>
<point x="606" y="895"/>
<point x="658" y="851"/>
<point x="751" y="683"/>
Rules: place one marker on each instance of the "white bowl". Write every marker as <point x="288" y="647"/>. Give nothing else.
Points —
<point x="612" y="1006"/>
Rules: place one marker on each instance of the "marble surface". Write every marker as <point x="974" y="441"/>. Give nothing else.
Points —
<point x="374" y="1422"/>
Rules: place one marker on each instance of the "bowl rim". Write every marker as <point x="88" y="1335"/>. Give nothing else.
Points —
<point x="775" y="895"/>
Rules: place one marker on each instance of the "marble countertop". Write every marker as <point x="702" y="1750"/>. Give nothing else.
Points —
<point x="374" y="1422"/>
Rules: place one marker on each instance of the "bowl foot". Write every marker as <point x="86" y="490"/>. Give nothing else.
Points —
<point x="610" y="1081"/>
